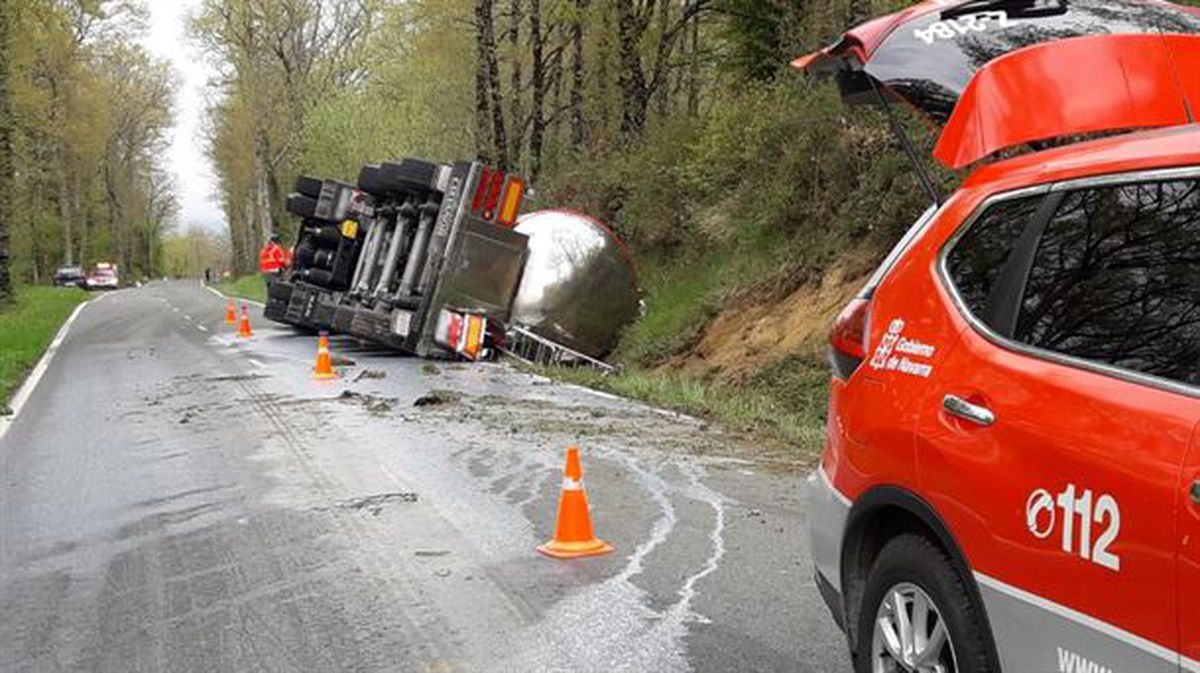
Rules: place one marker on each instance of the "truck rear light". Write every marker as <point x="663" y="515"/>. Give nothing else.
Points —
<point x="510" y="205"/>
<point x="848" y="339"/>
<point x="493" y="198"/>
<point x="481" y="190"/>
<point x="472" y="344"/>
<point x="461" y="333"/>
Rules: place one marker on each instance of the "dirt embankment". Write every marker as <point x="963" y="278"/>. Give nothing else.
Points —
<point x="747" y="336"/>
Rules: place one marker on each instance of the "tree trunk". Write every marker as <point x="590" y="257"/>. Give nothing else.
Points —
<point x="483" y="128"/>
<point x="693" y="85"/>
<point x="6" y="163"/>
<point x="499" y="137"/>
<point x="578" y="132"/>
<point x="631" y="79"/>
<point x="662" y="93"/>
<point x="538" y="132"/>
<point x="64" y="211"/>
<point x="516" y="125"/>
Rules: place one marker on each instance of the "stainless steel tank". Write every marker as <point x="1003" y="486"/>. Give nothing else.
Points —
<point x="580" y="287"/>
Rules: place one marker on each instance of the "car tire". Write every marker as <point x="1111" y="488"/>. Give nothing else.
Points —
<point x="910" y="571"/>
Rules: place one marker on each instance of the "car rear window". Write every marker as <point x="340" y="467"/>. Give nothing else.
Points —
<point x="978" y="257"/>
<point x="1116" y="279"/>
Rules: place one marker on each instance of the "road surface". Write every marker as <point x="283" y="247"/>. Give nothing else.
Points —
<point x="173" y="498"/>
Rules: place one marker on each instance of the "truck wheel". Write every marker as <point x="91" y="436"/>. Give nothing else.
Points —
<point x="917" y="616"/>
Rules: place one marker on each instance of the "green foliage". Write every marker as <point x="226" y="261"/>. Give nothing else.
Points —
<point x="774" y="183"/>
<point x="757" y="409"/>
<point x="28" y="326"/>
<point x="251" y="287"/>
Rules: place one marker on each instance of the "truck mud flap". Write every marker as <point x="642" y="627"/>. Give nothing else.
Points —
<point x="310" y="306"/>
<point x="279" y="295"/>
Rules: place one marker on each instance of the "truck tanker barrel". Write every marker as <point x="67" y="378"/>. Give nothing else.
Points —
<point x="580" y="288"/>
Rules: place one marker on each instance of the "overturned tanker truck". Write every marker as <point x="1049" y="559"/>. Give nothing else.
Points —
<point x="430" y="259"/>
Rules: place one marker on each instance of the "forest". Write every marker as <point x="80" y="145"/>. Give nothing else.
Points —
<point x="656" y="115"/>
<point x="84" y="112"/>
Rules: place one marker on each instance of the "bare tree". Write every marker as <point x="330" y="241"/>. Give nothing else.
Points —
<point x="638" y="83"/>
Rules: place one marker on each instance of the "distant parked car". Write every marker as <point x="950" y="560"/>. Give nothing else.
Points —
<point x="104" y="277"/>
<point x="68" y="276"/>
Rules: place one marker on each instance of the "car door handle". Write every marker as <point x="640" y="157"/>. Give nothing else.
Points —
<point x="974" y="413"/>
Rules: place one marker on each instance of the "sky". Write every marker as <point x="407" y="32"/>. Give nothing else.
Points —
<point x="195" y="183"/>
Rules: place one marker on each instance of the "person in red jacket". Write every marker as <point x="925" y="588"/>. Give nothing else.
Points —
<point x="272" y="259"/>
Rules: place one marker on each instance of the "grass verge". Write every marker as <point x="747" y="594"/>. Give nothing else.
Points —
<point x="246" y="287"/>
<point x="785" y="403"/>
<point x="26" y="329"/>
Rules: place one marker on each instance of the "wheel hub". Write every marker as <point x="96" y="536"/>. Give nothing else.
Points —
<point x="910" y="635"/>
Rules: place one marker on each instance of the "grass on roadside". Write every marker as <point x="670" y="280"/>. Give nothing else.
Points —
<point x="785" y="403"/>
<point x="26" y="329"/>
<point x="246" y="287"/>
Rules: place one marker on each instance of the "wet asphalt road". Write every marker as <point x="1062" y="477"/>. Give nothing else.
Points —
<point x="175" y="499"/>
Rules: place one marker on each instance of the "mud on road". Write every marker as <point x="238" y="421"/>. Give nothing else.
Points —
<point x="241" y="515"/>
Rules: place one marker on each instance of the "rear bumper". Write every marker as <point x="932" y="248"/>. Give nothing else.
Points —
<point x="828" y="511"/>
<point x="369" y="324"/>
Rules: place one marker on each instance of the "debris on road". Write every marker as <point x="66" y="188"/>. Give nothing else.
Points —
<point x="438" y="398"/>
<point x="370" y="374"/>
<point x="375" y="503"/>
<point x="372" y="403"/>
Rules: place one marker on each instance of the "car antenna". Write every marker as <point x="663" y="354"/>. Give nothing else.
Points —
<point x="905" y="142"/>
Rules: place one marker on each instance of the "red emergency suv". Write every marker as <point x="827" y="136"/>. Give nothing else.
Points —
<point x="1011" y="476"/>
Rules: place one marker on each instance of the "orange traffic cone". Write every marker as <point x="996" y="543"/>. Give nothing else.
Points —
<point x="573" y="537"/>
<point x="231" y="313"/>
<point x="244" y="328"/>
<point x="324" y="366"/>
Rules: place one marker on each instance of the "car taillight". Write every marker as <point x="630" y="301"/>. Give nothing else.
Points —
<point x="848" y="338"/>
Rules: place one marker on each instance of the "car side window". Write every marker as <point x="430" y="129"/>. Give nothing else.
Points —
<point x="1116" y="279"/>
<point x="977" y="259"/>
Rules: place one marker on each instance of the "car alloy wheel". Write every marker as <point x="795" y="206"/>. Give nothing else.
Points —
<point x="910" y="635"/>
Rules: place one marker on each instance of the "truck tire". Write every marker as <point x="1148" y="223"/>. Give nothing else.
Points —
<point x="912" y="575"/>
<point x="411" y="175"/>
<point x="309" y="186"/>
<point x="304" y="206"/>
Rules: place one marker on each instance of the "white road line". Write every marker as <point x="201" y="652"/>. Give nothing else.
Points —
<point x="222" y="295"/>
<point x="39" y="370"/>
<point x="256" y="363"/>
<point x="202" y="328"/>
<point x="389" y="474"/>
<point x="187" y="317"/>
